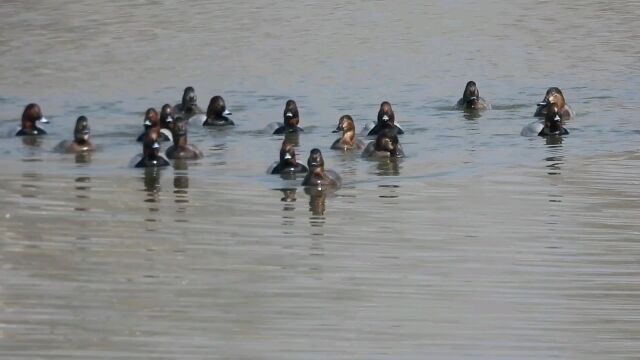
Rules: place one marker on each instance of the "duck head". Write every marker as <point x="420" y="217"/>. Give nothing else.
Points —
<point x="386" y="115"/>
<point x="167" y="117"/>
<point x="189" y="99"/>
<point x="150" y="146"/>
<point x="553" y="96"/>
<point x="179" y="132"/>
<point x="151" y="119"/>
<point x="471" y="95"/>
<point x="315" y="161"/>
<point x="290" y="114"/>
<point x="30" y="115"/>
<point x="552" y="120"/>
<point x="288" y="154"/>
<point x="217" y="108"/>
<point x="345" y="124"/>
<point x="82" y="131"/>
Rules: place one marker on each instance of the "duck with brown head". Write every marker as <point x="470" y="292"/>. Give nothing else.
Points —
<point x="318" y="176"/>
<point x="151" y="152"/>
<point x="555" y="98"/>
<point x="188" y="107"/>
<point x="386" y="145"/>
<point x="291" y="118"/>
<point x="151" y="123"/>
<point x="217" y="113"/>
<point x="471" y="99"/>
<point x="181" y="149"/>
<point x="348" y="141"/>
<point x="288" y="163"/>
<point x="386" y="120"/>
<point x="30" y="115"/>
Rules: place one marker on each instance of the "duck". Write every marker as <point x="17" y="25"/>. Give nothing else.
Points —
<point x="471" y="99"/>
<point x="188" y="107"/>
<point x="347" y="141"/>
<point x="386" y="120"/>
<point x="552" y="125"/>
<point x="386" y="145"/>
<point x="151" y="152"/>
<point x="317" y="175"/>
<point x="217" y="113"/>
<point x="31" y="114"/>
<point x="151" y="122"/>
<point x="291" y="118"/>
<point x="554" y="96"/>
<point x="81" y="142"/>
<point x="167" y="121"/>
<point x="180" y="148"/>
<point x="288" y="163"/>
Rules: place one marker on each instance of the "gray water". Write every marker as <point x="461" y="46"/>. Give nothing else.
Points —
<point x="480" y="244"/>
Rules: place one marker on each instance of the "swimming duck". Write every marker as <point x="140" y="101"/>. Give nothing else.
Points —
<point x="317" y="175"/>
<point x="80" y="142"/>
<point x="180" y="148"/>
<point x="553" y="125"/>
<point x="151" y="123"/>
<point x="348" y="139"/>
<point x="386" y="120"/>
<point x="188" y="107"/>
<point x="217" y="113"/>
<point x="30" y="115"/>
<point x="554" y="97"/>
<point x="151" y="152"/>
<point x="386" y="145"/>
<point x="167" y="121"/>
<point x="291" y="118"/>
<point x="471" y="99"/>
<point x="288" y="163"/>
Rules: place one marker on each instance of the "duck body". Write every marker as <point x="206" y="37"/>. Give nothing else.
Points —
<point x="386" y="120"/>
<point x="348" y="140"/>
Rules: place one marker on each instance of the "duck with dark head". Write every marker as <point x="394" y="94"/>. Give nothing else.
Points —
<point x="386" y="145"/>
<point x="553" y="124"/>
<point x="471" y="99"/>
<point x="81" y="142"/>
<point x="217" y="113"/>
<point x="151" y="152"/>
<point x="554" y="98"/>
<point x="167" y="121"/>
<point x="291" y="118"/>
<point x="188" y="107"/>
<point x="181" y="149"/>
<point x="288" y="164"/>
<point x="30" y="115"/>
<point x="317" y="175"/>
<point x="386" y="120"/>
<point x="348" y="141"/>
<point x="151" y="123"/>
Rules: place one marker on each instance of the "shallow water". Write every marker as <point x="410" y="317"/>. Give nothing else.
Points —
<point x="480" y="244"/>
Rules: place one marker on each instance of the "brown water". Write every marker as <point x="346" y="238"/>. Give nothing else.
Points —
<point x="481" y="244"/>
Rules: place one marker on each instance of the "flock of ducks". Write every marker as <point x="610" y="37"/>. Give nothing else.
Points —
<point x="172" y="122"/>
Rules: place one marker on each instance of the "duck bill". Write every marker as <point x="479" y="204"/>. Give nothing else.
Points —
<point x="337" y="130"/>
<point x="226" y="113"/>
<point x="44" y="120"/>
<point x="544" y="102"/>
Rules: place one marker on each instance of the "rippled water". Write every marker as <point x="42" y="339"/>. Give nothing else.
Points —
<point x="480" y="244"/>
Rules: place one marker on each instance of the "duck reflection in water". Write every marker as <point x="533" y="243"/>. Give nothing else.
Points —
<point x="317" y="201"/>
<point x="151" y="180"/>
<point x="181" y="181"/>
